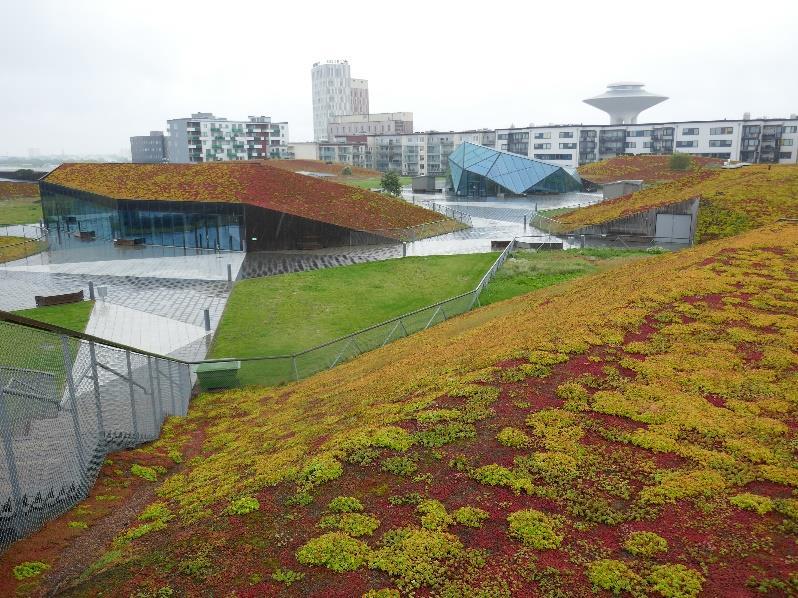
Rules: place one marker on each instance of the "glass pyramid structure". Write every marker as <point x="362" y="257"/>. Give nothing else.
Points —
<point x="474" y="167"/>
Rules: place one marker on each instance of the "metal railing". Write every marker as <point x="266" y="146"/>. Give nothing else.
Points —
<point x="67" y="400"/>
<point x="33" y="240"/>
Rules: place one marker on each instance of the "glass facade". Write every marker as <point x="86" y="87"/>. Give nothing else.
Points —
<point x="479" y="170"/>
<point x="169" y="223"/>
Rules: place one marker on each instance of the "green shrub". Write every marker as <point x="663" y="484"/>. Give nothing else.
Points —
<point x="534" y="529"/>
<point x="752" y="502"/>
<point x="613" y="576"/>
<point x="513" y="437"/>
<point x="30" y="569"/>
<point x="336" y="551"/>
<point x="416" y="556"/>
<point x="287" y="576"/>
<point x="242" y="506"/>
<point x="354" y="524"/>
<point x="319" y="470"/>
<point x="675" y="581"/>
<point x="346" y="171"/>
<point x="403" y="466"/>
<point x="470" y="516"/>
<point x="144" y="472"/>
<point x="344" y="504"/>
<point x="645" y="544"/>
<point x="679" y="161"/>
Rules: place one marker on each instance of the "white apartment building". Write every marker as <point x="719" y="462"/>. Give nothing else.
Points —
<point x="341" y="127"/>
<point x="767" y="140"/>
<point x="204" y="137"/>
<point x="335" y="93"/>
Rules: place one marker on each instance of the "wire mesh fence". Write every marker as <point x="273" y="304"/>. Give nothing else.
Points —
<point x="20" y="241"/>
<point x="67" y="400"/>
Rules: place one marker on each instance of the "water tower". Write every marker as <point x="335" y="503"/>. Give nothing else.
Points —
<point x="624" y="100"/>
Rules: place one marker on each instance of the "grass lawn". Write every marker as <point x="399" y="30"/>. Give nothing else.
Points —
<point x="14" y="248"/>
<point x="554" y="212"/>
<point x="74" y="316"/>
<point x="20" y="210"/>
<point x="278" y="315"/>
<point x="527" y="271"/>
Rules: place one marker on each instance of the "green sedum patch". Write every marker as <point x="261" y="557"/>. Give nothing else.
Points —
<point x="242" y="506"/>
<point x="470" y="516"/>
<point x="675" y="581"/>
<point x="319" y="470"/>
<point x="345" y="504"/>
<point x="433" y="515"/>
<point x="513" y="437"/>
<point x="534" y="529"/>
<point x="144" y="472"/>
<point x="401" y="465"/>
<point x="752" y="502"/>
<point x="287" y="577"/>
<point x="354" y="524"/>
<point x="613" y="576"/>
<point x="416" y="556"/>
<point x="30" y="569"/>
<point x="645" y="544"/>
<point x="336" y="551"/>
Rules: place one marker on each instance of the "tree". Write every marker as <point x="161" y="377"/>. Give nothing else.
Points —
<point x="679" y="161"/>
<point x="346" y="171"/>
<point x="390" y="183"/>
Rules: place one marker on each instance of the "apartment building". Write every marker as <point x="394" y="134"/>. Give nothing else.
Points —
<point x="767" y="140"/>
<point x="148" y="149"/>
<point x="203" y="137"/>
<point x="390" y="123"/>
<point x="335" y="93"/>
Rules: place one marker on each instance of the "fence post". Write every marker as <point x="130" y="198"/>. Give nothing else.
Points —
<point x="293" y="365"/>
<point x="155" y="415"/>
<point x="582" y="241"/>
<point x="230" y="273"/>
<point x="404" y="249"/>
<point x="96" y="381"/>
<point x="132" y="389"/>
<point x="11" y="463"/>
<point x="158" y="385"/>
<point x="207" y="314"/>
<point x="73" y="400"/>
<point x="91" y="290"/>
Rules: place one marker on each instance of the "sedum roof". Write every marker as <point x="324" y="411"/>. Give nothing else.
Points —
<point x="253" y="183"/>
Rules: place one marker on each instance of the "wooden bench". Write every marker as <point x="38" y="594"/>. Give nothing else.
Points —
<point x="129" y="242"/>
<point x="86" y="235"/>
<point x="45" y="300"/>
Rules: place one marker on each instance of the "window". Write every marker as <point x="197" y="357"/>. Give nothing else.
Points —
<point x="542" y="146"/>
<point x="642" y="133"/>
<point x="686" y="144"/>
<point x="542" y="135"/>
<point x="553" y="156"/>
<point x="629" y="144"/>
<point x="785" y="155"/>
<point x="690" y="131"/>
<point x="720" y="143"/>
<point x="788" y="130"/>
<point x="721" y="130"/>
<point x="787" y="142"/>
<point x="566" y="135"/>
<point x="567" y="146"/>
<point x="647" y="144"/>
<point x="502" y="136"/>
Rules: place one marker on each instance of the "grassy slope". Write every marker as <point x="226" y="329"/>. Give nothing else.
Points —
<point x="278" y="315"/>
<point x="528" y="271"/>
<point x="19" y="203"/>
<point x="651" y="169"/>
<point x="644" y="398"/>
<point x="733" y="201"/>
<point x="370" y="182"/>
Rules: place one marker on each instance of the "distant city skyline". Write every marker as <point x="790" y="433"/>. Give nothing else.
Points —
<point x="82" y="77"/>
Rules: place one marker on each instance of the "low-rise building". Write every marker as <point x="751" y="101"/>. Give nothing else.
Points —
<point x="390" y="123"/>
<point x="203" y="137"/>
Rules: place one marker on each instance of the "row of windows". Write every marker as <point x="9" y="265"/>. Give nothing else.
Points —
<point x="553" y="156"/>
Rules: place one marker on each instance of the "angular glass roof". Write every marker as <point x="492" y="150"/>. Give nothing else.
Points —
<point x="515" y="173"/>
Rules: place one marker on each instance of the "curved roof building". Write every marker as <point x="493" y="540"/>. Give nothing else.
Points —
<point x="480" y="170"/>
<point x="624" y="101"/>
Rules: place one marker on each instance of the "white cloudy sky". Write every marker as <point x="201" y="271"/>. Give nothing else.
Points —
<point x="83" y="75"/>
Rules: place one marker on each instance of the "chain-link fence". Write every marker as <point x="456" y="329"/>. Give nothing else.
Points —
<point x="67" y="400"/>
<point x="20" y="241"/>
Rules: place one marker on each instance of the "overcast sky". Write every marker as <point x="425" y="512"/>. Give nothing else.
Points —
<point x="82" y="76"/>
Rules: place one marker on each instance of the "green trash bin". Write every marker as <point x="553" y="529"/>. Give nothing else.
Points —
<point x="218" y="374"/>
